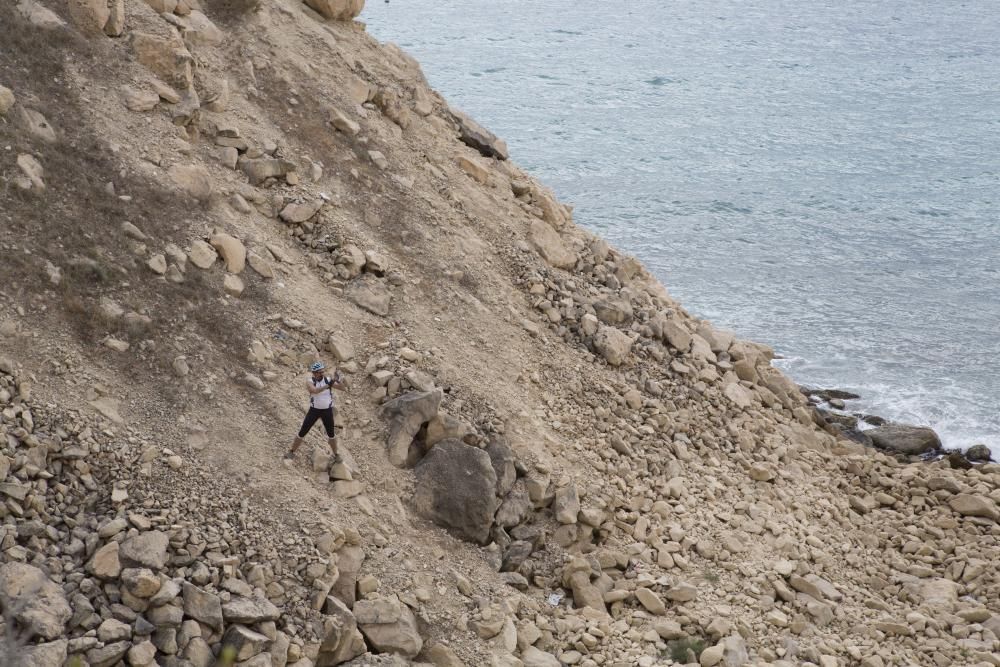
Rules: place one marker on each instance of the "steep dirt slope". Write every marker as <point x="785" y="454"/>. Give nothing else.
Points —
<point x="548" y="461"/>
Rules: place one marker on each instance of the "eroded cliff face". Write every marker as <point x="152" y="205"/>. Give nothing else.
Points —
<point x="547" y="461"/>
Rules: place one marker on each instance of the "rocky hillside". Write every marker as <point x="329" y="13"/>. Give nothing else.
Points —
<point x="546" y="460"/>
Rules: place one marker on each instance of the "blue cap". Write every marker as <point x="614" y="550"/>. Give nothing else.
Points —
<point x="316" y="367"/>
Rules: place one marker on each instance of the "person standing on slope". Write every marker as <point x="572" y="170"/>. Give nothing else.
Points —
<point x="320" y="388"/>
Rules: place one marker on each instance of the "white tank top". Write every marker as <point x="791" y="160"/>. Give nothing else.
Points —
<point x="324" y="399"/>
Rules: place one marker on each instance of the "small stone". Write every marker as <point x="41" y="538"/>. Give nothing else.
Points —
<point x="157" y="264"/>
<point x="6" y="100"/>
<point x="378" y="159"/>
<point x="650" y="601"/>
<point x="233" y="285"/>
<point x="202" y="254"/>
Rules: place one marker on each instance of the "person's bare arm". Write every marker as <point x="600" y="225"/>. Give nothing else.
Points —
<point x="313" y="389"/>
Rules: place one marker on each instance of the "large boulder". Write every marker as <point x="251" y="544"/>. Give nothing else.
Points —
<point x="168" y="59"/>
<point x="337" y="10"/>
<point x="456" y="489"/>
<point x="979" y="454"/>
<point x="389" y="626"/>
<point x="147" y="549"/>
<point x="44" y="655"/>
<point x="613" y="345"/>
<point x="675" y="334"/>
<point x="550" y="246"/>
<point x="905" y="439"/>
<point x="476" y="136"/>
<point x="406" y="414"/>
<point x="202" y="606"/>
<point x="349" y="560"/>
<point x="342" y="640"/>
<point x="35" y="602"/>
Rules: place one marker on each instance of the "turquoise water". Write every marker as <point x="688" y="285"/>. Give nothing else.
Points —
<point x="820" y="176"/>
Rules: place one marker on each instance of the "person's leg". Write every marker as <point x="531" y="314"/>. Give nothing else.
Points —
<point x="307" y="424"/>
<point x="331" y="433"/>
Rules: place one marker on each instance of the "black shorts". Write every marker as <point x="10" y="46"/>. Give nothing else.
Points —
<point x="315" y="414"/>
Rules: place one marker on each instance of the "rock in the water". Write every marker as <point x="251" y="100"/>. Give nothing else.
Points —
<point x="456" y="488"/>
<point x="905" y="439"/>
<point x="550" y="246"/>
<point x="36" y="602"/>
<point x="337" y="10"/>
<point x="613" y="345"/>
<point x="978" y="453"/>
<point x="475" y="135"/>
<point x="406" y="414"/>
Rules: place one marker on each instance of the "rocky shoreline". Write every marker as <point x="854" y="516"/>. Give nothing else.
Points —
<point x="903" y="439"/>
<point x="546" y="460"/>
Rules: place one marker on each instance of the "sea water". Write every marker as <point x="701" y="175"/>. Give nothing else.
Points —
<point x="820" y="176"/>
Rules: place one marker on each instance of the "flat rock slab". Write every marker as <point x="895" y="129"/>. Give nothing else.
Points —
<point x="370" y="293"/>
